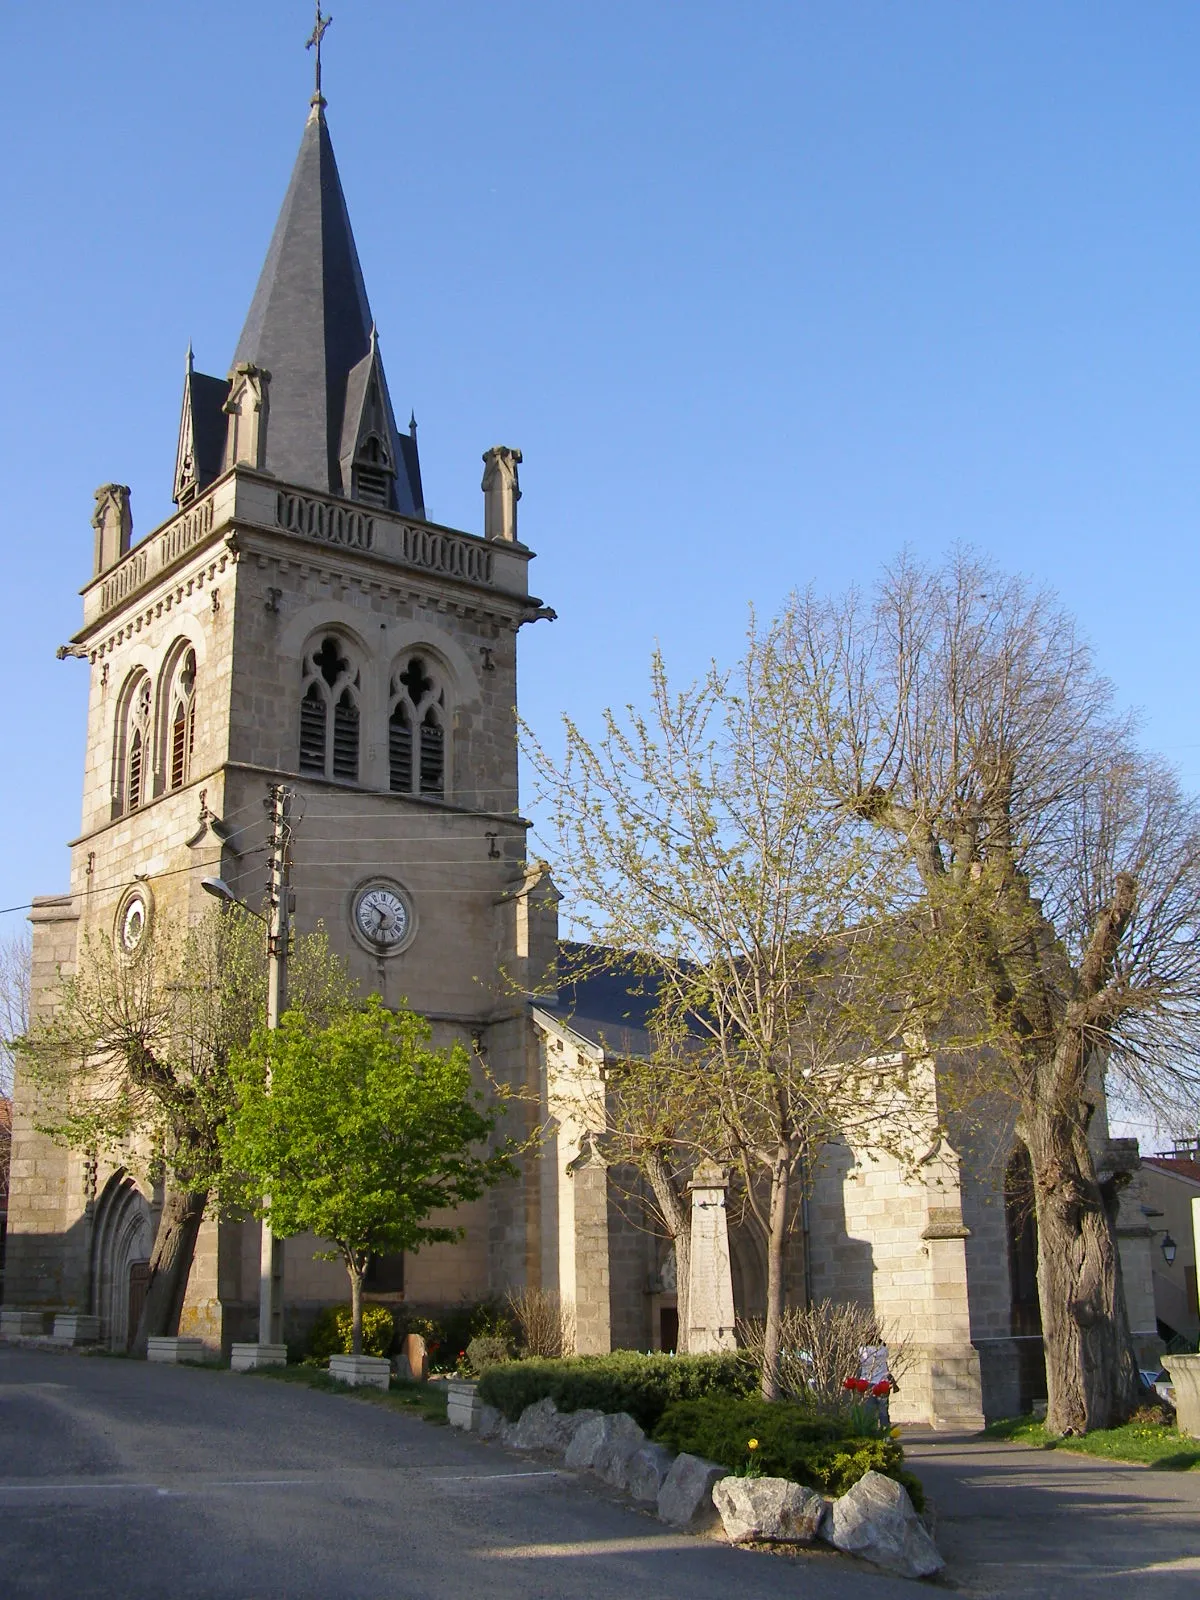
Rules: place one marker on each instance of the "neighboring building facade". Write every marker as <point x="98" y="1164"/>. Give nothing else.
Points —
<point x="1172" y="1189"/>
<point x="299" y="620"/>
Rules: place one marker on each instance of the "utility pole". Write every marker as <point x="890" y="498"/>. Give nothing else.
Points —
<point x="279" y="913"/>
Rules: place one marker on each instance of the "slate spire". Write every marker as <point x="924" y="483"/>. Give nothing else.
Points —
<point x="310" y="327"/>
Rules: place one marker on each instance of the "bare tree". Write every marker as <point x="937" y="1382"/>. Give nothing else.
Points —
<point x="962" y="718"/>
<point x="130" y="1057"/>
<point x="15" y="958"/>
<point x="692" y="837"/>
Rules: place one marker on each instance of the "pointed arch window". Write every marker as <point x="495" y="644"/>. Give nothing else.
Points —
<point x="137" y="746"/>
<point x="181" y="730"/>
<point x="329" y="711"/>
<point x="417" y="729"/>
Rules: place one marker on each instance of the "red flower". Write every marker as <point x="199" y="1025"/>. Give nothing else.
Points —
<point x="882" y="1388"/>
<point x="857" y="1385"/>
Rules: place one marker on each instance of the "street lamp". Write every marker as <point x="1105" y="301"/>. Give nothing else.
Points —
<point x="220" y="890"/>
<point x="1169" y="1247"/>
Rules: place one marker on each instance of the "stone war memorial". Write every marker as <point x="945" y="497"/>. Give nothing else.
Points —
<point x="298" y="620"/>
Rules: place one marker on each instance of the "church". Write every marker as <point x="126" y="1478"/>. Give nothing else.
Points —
<point x="298" y="620"/>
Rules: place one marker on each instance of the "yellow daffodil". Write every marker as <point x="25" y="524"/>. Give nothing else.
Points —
<point x="752" y="1444"/>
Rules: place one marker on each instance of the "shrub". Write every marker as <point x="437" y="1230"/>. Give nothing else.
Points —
<point x="330" y="1335"/>
<point x="791" y="1443"/>
<point x="486" y="1350"/>
<point x="547" y="1326"/>
<point x="820" y="1346"/>
<point x="642" y="1385"/>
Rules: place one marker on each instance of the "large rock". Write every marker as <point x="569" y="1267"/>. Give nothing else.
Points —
<point x="685" y="1499"/>
<point x="539" y="1427"/>
<point x="645" y="1471"/>
<point x="491" y="1421"/>
<point x="876" y="1520"/>
<point x="601" y="1441"/>
<point x="622" y="1437"/>
<point x="768" y="1508"/>
<point x="572" y="1422"/>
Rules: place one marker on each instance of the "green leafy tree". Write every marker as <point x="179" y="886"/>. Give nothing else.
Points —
<point x="130" y="1056"/>
<point x="359" y="1131"/>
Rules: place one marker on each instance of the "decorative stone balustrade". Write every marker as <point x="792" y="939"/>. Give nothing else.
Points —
<point x="156" y="554"/>
<point x="249" y="499"/>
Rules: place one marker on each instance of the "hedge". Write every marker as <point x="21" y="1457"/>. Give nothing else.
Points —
<point x="791" y="1443"/>
<point x="641" y="1385"/>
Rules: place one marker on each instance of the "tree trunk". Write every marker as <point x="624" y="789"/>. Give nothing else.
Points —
<point x="1091" y="1373"/>
<point x="170" y="1264"/>
<point x="677" y="1221"/>
<point x="356" y="1308"/>
<point x="777" y="1230"/>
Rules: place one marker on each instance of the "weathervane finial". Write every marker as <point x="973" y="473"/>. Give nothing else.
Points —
<point x="315" y="38"/>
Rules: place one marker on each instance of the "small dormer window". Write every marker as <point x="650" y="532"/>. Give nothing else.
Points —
<point x="373" y="473"/>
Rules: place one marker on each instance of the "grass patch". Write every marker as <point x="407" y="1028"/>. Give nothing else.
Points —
<point x="425" y="1400"/>
<point x="1148" y="1443"/>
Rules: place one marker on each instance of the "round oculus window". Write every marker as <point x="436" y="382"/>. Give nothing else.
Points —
<point x="133" y="919"/>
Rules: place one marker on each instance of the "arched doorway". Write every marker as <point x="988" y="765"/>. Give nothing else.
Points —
<point x="1025" y="1311"/>
<point x="122" y="1238"/>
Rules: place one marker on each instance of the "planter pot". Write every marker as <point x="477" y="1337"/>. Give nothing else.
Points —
<point x="463" y="1405"/>
<point x="245" y="1357"/>
<point x="373" y="1371"/>
<point x="73" y="1327"/>
<point x="1185" y="1375"/>
<point x="175" y="1349"/>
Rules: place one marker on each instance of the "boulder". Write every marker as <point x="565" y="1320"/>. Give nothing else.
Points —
<point x="572" y="1422"/>
<point x="581" y="1451"/>
<point x="539" y="1427"/>
<point x="768" y="1508"/>
<point x="875" y="1519"/>
<point x="685" y="1499"/>
<point x="490" y="1421"/>
<point x="622" y="1437"/>
<point x="645" y="1470"/>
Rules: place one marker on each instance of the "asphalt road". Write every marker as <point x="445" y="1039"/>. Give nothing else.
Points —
<point x="120" y="1481"/>
<point x="1020" y="1524"/>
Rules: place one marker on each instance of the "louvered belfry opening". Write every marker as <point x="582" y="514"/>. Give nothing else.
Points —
<point x="183" y="723"/>
<point x="329" y="744"/>
<point x="400" y="749"/>
<point x="136" y="764"/>
<point x="345" y="737"/>
<point x="418" y="702"/>
<point x="136" y="746"/>
<point x="312" y="732"/>
<point x="433" y="754"/>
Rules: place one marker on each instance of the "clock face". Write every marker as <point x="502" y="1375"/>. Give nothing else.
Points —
<point x="133" y="920"/>
<point x="382" y="917"/>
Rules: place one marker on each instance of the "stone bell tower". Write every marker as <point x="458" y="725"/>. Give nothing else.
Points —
<point x="298" y="620"/>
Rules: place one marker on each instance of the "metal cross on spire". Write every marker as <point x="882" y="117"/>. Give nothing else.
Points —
<point x="315" y="38"/>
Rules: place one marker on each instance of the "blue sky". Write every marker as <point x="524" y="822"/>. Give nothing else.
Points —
<point x="764" y="292"/>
